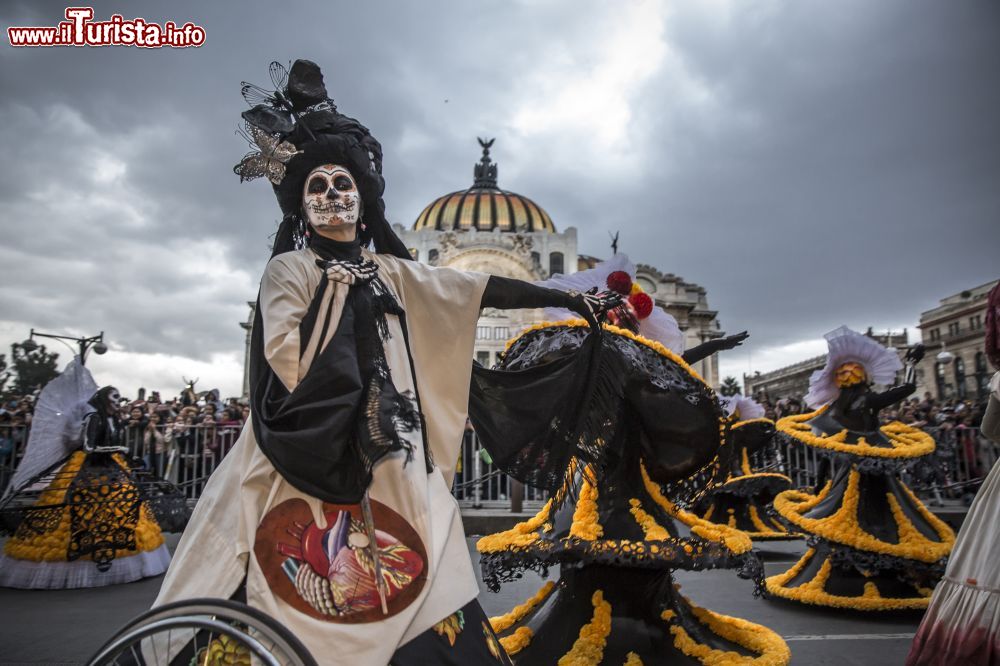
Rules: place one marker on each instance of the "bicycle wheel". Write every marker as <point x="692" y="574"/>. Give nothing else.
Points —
<point x="205" y="632"/>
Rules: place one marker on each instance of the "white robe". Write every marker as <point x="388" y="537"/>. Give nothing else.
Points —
<point x="216" y="551"/>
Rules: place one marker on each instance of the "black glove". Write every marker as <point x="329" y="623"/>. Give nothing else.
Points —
<point x="706" y="349"/>
<point x="731" y="341"/>
<point x="507" y="294"/>
<point x="915" y="353"/>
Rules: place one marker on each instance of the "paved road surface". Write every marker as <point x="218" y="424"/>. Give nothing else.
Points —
<point x="64" y="627"/>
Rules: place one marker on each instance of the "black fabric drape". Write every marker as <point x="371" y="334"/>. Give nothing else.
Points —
<point x="564" y="392"/>
<point x="325" y="436"/>
<point x="576" y="391"/>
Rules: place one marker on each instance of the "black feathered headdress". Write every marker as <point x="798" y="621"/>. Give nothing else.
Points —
<point x="296" y="128"/>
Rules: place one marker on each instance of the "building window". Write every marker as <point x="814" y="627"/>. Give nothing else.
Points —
<point x="536" y="259"/>
<point x="939" y="380"/>
<point x="483" y="357"/>
<point x="483" y="332"/>
<point x="501" y="333"/>
<point x="432" y="257"/>
<point x="960" y="378"/>
<point x="976" y="322"/>
<point x="935" y="334"/>
<point x="953" y="328"/>
<point x="982" y="376"/>
<point x="556" y="263"/>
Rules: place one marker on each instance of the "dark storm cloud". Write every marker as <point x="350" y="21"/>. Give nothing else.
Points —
<point x="809" y="163"/>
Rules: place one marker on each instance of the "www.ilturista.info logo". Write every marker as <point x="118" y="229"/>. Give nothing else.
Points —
<point x="80" y="30"/>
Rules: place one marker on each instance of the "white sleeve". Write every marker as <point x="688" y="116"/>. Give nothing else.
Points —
<point x="284" y="300"/>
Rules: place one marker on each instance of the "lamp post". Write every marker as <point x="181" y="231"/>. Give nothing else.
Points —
<point x="95" y="341"/>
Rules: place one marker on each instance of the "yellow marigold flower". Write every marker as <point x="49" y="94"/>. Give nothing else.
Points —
<point x="769" y="646"/>
<point x="907" y="442"/>
<point x="585" y="519"/>
<point x="632" y="659"/>
<point x="653" y="530"/>
<point x="588" y="649"/>
<point x="518" y="613"/>
<point x="521" y="535"/>
<point x="516" y="641"/>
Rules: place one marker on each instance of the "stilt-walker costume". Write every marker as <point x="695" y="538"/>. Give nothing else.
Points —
<point x="744" y="500"/>
<point x="622" y="432"/>
<point x="79" y="513"/>
<point x="333" y="509"/>
<point x="872" y="544"/>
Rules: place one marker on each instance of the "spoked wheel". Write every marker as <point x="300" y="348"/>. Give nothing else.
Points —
<point x="203" y="632"/>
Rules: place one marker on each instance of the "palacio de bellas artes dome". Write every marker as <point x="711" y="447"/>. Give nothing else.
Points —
<point x="489" y="229"/>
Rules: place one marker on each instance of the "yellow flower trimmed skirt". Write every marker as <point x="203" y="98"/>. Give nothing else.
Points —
<point x="89" y="527"/>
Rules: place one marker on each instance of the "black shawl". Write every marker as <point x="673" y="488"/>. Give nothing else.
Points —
<point x="325" y="436"/>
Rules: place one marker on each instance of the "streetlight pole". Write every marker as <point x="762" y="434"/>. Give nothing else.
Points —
<point x="84" y="343"/>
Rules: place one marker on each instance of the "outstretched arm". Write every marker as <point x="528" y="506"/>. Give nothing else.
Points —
<point x="896" y="393"/>
<point x="890" y="396"/>
<point x="706" y="349"/>
<point x="507" y="294"/>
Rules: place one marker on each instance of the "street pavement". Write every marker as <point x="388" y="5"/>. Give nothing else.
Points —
<point x="66" y="626"/>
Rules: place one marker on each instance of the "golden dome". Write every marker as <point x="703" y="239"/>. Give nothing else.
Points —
<point x="484" y="206"/>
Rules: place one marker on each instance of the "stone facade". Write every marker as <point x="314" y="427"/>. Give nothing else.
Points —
<point x="955" y="365"/>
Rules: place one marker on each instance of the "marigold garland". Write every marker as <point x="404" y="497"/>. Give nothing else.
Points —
<point x="585" y="518"/>
<point x="771" y="648"/>
<point x="632" y="659"/>
<point x="843" y="527"/>
<point x="735" y="540"/>
<point x="939" y="525"/>
<point x="521" y="535"/>
<point x="517" y="641"/>
<point x="517" y="613"/>
<point x="907" y="442"/>
<point x="588" y="649"/>
<point x="652" y="529"/>
<point x="763" y="530"/>
<point x="740" y="424"/>
<point x="52" y="546"/>
<point x="813" y="592"/>
<point x="755" y="475"/>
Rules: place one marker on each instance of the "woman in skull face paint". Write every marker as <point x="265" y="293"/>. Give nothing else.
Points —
<point x="333" y="511"/>
<point x="91" y="525"/>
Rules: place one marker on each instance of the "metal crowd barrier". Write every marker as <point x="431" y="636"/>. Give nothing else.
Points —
<point x="188" y="456"/>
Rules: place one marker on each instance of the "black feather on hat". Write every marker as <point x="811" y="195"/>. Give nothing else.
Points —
<point x="298" y="128"/>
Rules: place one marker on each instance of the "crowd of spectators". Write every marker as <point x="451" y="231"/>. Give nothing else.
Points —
<point x="190" y="426"/>
<point x="926" y="412"/>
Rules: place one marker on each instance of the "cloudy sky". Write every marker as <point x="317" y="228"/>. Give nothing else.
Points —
<point x="809" y="163"/>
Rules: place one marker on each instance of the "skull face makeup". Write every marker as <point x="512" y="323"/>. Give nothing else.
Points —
<point x="330" y="197"/>
<point x="849" y="374"/>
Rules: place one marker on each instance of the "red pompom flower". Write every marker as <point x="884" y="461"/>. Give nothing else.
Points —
<point x="642" y="304"/>
<point x="619" y="282"/>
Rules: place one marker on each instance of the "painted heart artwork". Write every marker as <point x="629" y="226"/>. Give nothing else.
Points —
<point x="328" y="572"/>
